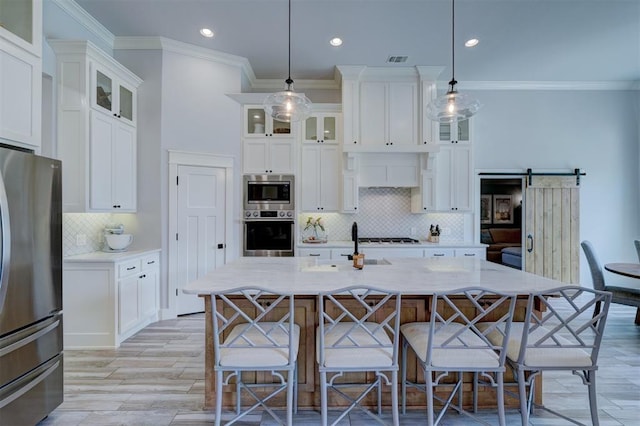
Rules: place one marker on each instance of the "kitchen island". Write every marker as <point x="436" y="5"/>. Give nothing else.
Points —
<point x="416" y="278"/>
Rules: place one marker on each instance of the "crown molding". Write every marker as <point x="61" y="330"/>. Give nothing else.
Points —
<point x="546" y="85"/>
<point x="276" y="84"/>
<point x="73" y="9"/>
<point x="169" y="45"/>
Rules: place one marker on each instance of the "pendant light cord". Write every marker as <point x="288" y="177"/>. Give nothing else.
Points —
<point x="289" y="81"/>
<point x="453" y="81"/>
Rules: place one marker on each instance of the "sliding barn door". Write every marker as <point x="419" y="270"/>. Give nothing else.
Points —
<point x="552" y="228"/>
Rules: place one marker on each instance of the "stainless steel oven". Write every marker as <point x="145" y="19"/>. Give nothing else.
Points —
<point x="269" y="192"/>
<point x="269" y="236"/>
<point x="269" y="220"/>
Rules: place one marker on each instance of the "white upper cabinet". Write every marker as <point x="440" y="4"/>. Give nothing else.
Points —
<point x="383" y="108"/>
<point x="97" y="134"/>
<point x="268" y="155"/>
<point x="321" y="178"/>
<point x="257" y="124"/>
<point x="322" y="128"/>
<point x="388" y="114"/>
<point x="456" y="133"/>
<point x="112" y="96"/>
<point x="21" y="72"/>
<point x="113" y="165"/>
<point x="454" y="179"/>
<point x="268" y="145"/>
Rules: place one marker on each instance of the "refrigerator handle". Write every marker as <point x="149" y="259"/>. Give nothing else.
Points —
<point x="5" y="242"/>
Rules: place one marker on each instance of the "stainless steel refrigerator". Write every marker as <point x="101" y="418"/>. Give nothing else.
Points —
<point x="30" y="287"/>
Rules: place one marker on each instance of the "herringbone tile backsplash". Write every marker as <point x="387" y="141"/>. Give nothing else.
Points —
<point x="386" y="212"/>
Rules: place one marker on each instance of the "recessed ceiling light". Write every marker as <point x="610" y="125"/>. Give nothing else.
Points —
<point x="335" y="42"/>
<point x="472" y="42"/>
<point x="206" y="32"/>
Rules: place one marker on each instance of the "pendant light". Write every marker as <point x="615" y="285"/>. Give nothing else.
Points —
<point x="452" y="106"/>
<point x="288" y="105"/>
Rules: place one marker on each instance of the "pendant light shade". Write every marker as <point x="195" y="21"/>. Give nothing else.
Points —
<point x="288" y="106"/>
<point x="452" y="106"/>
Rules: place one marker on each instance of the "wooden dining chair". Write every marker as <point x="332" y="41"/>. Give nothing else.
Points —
<point x="450" y="344"/>
<point x="358" y="332"/>
<point x="254" y="331"/>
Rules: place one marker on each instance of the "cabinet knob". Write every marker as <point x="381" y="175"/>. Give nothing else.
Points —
<point x="355" y="208"/>
<point x="355" y="141"/>
<point x="142" y="276"/>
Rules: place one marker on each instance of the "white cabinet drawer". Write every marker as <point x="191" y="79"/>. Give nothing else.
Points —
<point x="315" y="253"/>
<point x="480" y="253"/>
<point x="128" y="267"/>
<point x="150" y="261"/>
<point x="438" y="252"/>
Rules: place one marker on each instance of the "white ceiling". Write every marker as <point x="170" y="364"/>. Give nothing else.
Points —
<point x="520" y="40"/>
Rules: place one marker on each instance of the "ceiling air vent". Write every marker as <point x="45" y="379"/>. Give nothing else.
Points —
<point x="396" y="59"/>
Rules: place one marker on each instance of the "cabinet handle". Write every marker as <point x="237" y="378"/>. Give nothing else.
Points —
<point x="143" y="276"/>
<point x="344" y="255"/>
<point x="151" y="262"/>
<point x="314" y="254"/>
<point x="470" y="254"/>
<point x="131" y="268"/>
<point x="438" y="254"/>
<point x="529" y="243"/>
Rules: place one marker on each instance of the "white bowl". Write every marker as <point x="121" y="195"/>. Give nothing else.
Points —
<point x="119" y="242"/>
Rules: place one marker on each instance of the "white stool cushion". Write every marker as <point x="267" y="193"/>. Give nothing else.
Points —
<point x="417" y="335"/>
<point x="539" y="357"/>
<point x="245" y="355"/>
<point x="349" y="354"/>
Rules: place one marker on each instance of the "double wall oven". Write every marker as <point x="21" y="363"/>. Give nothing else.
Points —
<point x="269" y="212"/>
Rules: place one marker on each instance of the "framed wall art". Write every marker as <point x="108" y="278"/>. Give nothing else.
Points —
<point x="485" y="209"/>
<point x="502" y="209"/>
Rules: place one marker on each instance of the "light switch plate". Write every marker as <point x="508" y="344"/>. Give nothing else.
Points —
<point x="81" y="240"/>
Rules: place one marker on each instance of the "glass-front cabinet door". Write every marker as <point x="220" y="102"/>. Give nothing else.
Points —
<point x="258" y="124"/>
<point x="21" y="23"/>
<point x="17" y="18"/>
<point x="321" y="128"/>
<point x="103" y="92"/>
<point x="111" y="96"/>
<point x="455" y="132"/>
<point x="126" y="103"/>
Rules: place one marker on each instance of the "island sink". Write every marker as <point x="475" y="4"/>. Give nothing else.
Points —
<point x="326" y="265"/>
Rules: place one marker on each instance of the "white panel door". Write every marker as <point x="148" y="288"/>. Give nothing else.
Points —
<point x="201" y="219"/>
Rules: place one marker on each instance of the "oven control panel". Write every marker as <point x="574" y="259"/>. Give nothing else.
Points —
<point x="268" y="214"/>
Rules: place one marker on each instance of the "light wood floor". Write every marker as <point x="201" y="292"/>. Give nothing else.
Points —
<point x="157" y="378"/>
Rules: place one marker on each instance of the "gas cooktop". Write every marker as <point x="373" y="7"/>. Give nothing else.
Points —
<point x="379" y="240"/>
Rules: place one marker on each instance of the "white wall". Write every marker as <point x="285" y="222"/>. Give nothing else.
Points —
<point x="595" y="131"/>
<point x="182" y="106"/>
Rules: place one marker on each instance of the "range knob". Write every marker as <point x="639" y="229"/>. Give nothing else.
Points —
<point x="289" y="214"/>
<point x="281" y="214"/>
<point x="256" y="214"/>
<point x="247" y="214"/>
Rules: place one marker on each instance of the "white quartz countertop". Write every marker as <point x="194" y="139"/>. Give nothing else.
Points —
<point x="421" y="244"/>
<point x="102" y="256"/>
<point x="308" y="276"/>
